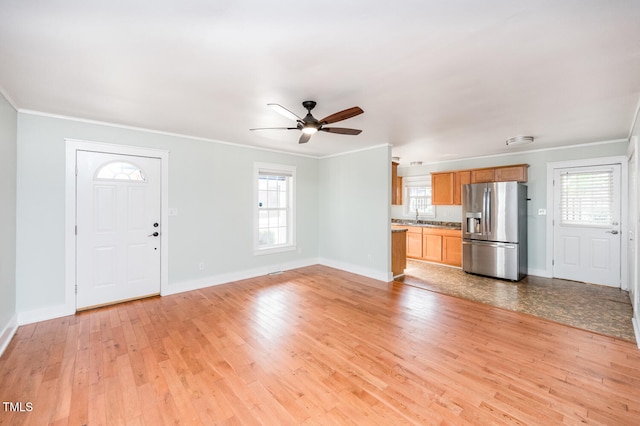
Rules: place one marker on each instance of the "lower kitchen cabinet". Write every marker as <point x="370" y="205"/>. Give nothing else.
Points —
<point x="452" y="250"/>
<point x="431" y="247"/>
<point x="439" y="245"/>
<point x="414" y="242"/>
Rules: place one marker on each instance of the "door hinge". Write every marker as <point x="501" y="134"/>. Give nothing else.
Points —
<point x="553" y="262"/>
<point x="76" y="288"/>
<point x="76" y="230"/>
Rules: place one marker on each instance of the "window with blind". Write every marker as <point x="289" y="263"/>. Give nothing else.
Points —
<point x="417" y="196"/>
<point x="275" y="212"/>
<point x="586" y="198"/>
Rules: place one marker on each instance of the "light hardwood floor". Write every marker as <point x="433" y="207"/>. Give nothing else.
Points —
<point x="316" y="346"/>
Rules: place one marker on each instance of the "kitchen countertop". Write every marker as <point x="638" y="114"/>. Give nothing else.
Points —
<point x="427" y="224"/>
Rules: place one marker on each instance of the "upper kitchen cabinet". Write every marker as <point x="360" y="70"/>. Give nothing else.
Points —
<point x="442" y="188"/>
<point x="396" y="185"/>
<point x="446" y="187"/>
<point x="460" y="178"/>
<point x="483" y="175"/>
<point x="517" y="172"/>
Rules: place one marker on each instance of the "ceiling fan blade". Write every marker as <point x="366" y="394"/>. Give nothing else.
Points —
<point x="275" y="128"/>
<point x="341" y="130"/>
<point x="282" y="110"/>
<point x="304" y="138"/>
<point x="342" y="115"/>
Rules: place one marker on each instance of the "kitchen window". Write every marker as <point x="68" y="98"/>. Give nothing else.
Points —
<point x="274" y="223"/>
<point x="417" y="196"/>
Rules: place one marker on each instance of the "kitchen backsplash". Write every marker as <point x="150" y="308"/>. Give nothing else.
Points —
<point x="443" y="214"/>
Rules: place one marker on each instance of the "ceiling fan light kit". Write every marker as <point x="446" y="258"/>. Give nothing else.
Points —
<point x="310" y="125"/>
<point x="518" y="140"/>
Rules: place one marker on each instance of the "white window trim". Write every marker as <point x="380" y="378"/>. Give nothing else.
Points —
<point x="291" y="217"/>
<point x="413" y="181"/>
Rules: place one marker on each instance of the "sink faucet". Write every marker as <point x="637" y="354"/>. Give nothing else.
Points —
<point x="416" y="215"/>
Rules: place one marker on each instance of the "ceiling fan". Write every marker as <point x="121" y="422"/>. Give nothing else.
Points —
<point x="310" y="125"/>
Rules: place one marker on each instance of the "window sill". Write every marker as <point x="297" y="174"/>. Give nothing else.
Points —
<point x="272" y="250"/>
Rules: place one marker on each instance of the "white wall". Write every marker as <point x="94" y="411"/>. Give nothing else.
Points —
<point x="354" y="222"/>
<point x="537" y="187"/>
<point x="211" y="185"/>
<point x="8" y="138"/>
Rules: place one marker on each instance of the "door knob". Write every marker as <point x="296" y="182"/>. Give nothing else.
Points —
<point x="614" y="232"/>
<point x="155" y="225"/>
<point x="155" y="234"/>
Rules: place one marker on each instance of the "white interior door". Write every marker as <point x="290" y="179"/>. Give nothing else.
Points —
<point x="586" y="224"/>
<point x="118" y="228"/>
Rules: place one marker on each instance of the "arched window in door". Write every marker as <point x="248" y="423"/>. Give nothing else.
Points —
<point x="121" y="170"/>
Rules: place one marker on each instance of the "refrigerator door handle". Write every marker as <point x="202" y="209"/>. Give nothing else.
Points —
<point x="485" y="217"/>
<point x="484" y="211"/>
<point x="487" y="212"/>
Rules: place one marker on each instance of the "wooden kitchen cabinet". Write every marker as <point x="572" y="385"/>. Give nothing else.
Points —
<point x="414" y="242"/>
<point x="516" y="172"/>
<point x="431" y="246"/>
<point x="446" y="187"/>
<point x="460" y="178"/>
<point x="435" y="244"/>
<point x="511" y="173"/>
<point x="482" y="175"/>
<point x="396" y="185"/>
<point x="442" y="188"/>
<point x="452" y="250"/>
<point x="398" y="253"/>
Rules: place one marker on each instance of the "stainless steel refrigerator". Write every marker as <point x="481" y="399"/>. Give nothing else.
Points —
<point x="494" y="229"/>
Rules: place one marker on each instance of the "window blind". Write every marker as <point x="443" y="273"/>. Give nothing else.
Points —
<point x="586" y="198"/>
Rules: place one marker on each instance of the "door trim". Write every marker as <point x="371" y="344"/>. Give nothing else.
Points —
<point x="624" y="217"/>
<point x="71" y="147"/>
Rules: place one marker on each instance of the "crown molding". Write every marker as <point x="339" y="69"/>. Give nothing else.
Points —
<point x="159" y="132"/>
<point x="8" y="98"/>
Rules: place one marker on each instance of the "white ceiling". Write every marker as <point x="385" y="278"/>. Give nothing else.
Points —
<point x="439" y="79"/>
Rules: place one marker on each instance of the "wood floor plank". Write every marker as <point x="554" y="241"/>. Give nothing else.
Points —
<point x="316" y="346"/>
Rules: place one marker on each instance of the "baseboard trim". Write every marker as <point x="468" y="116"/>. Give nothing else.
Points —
<point x="213" y="280"/>
<point x="8" y="332"/>
<point x="539" y="273"/>
<point x="51" y="312"/>
<point x="356" y="269"/>
<point x="636" y="329"/>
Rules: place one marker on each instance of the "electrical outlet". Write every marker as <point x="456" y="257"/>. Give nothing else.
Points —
<point x="542" y="212"/>
<point x="201" y="266"/>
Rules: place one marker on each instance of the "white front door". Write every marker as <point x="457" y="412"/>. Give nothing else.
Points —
<point x="118" y="228"/>
<point x="586" y="224"/>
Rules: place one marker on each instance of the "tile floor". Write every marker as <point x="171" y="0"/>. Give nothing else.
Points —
<point x="596" y="308"/>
